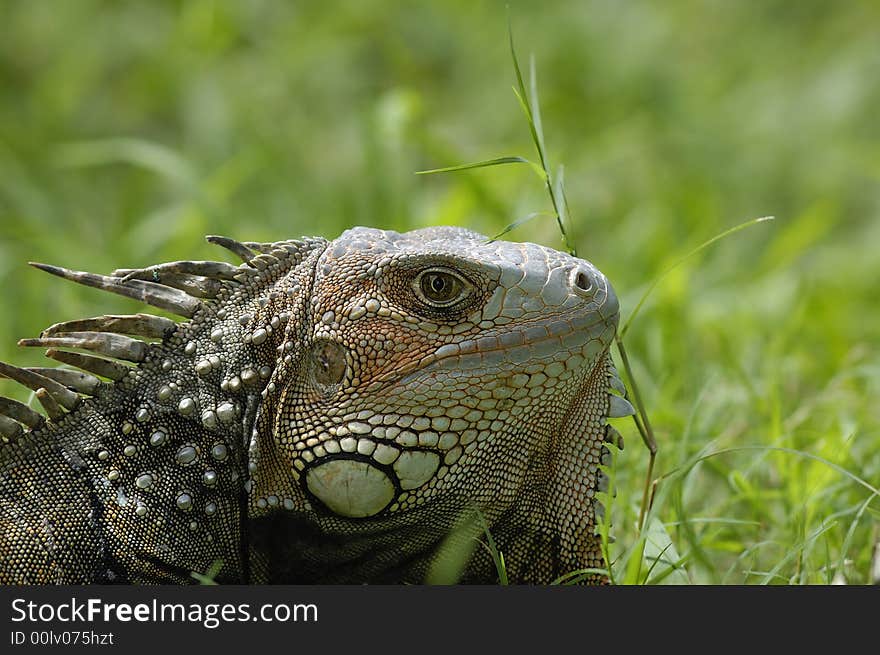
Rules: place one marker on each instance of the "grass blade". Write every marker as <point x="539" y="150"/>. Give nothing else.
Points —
<point x="850" y="533"/>
<point x="663" y="555"/>
<point x="563" y="217"/>
<point x="498" y="161"/>
<point x="536" y="111"/>
<point x="517" y="223"/>
<point x="494" y="552"/>
<point x="633" y="570"/>
<point x="520" y="89"/>
<point x="793" y="552"/>
<point x="527" y="104"/>
<point x="679" y="262"/>
<point x="209" y="577"/>
<point x="780" y="449"/>
<point x="573" y="577"/>
<point x="524" y="103"/>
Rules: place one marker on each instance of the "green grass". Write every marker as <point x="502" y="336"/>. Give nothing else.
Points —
<point x="129" y="130"/>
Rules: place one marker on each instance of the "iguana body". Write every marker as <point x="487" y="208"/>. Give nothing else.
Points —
<point x="357" y="410"/>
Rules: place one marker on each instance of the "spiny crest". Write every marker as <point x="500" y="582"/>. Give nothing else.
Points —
<point x="618" y="407"/>
<point x="116" y="345"/>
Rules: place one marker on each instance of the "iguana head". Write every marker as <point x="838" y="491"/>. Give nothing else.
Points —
<point x="434" y="373"/>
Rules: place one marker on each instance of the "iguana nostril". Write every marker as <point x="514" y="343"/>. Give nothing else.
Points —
<point x="583" y="281"/>
<point x="328" y="362"/>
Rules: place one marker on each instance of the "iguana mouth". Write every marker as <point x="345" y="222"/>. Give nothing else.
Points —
<point x="543" y="339"/>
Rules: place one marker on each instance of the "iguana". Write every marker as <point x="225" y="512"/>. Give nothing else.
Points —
<point x="344" y="411"/>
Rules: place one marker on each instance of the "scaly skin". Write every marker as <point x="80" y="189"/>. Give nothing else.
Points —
<point x="351" y="411"/>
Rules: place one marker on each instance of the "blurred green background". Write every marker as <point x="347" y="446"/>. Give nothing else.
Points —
<point x="129" y="130"/>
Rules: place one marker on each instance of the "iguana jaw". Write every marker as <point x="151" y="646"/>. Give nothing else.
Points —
<point x="326" y="547"/>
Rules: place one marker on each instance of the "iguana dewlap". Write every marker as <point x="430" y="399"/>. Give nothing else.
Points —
<point x="359" y="410"/>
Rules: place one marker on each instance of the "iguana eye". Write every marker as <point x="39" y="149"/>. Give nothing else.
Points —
<point x="441" y="287"/>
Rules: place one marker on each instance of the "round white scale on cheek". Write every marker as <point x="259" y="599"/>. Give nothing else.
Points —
<point x="351" y="488"/>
